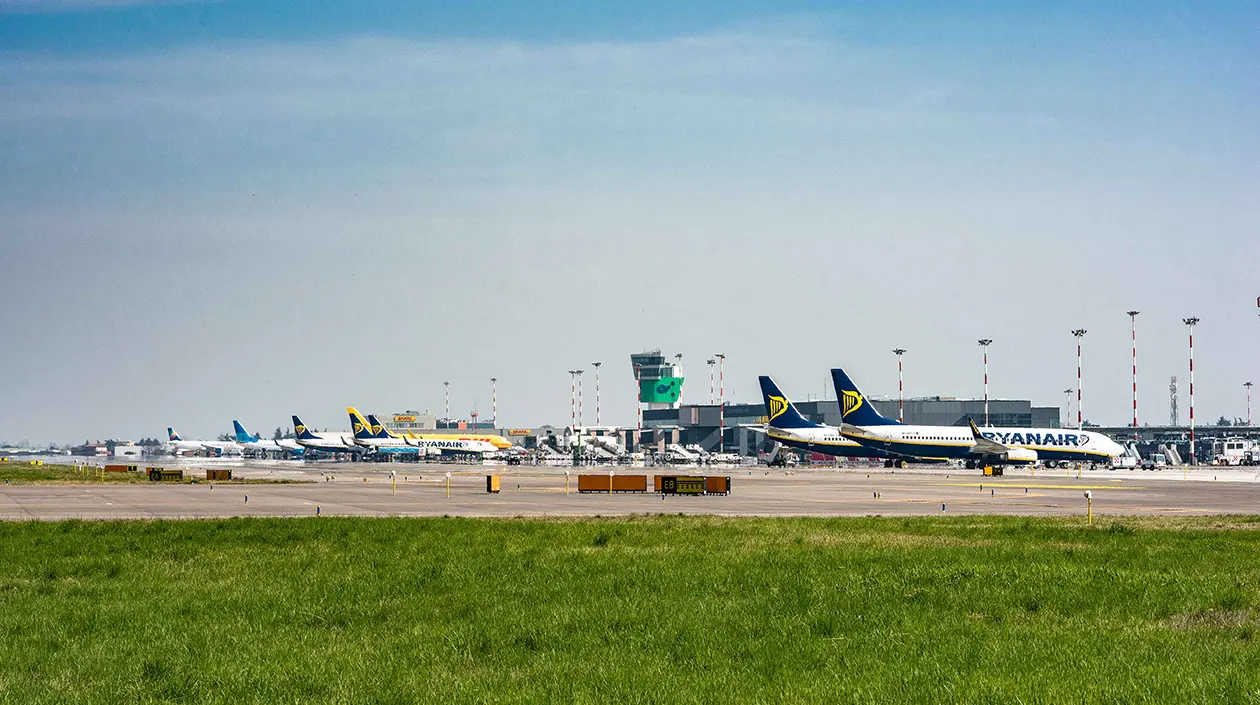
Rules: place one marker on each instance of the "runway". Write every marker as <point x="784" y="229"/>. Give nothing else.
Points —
<point x="421" y="490"/>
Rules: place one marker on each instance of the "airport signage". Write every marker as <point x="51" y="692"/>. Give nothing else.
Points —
<point x="518" y="432"/>
<point x="404" y="419"/>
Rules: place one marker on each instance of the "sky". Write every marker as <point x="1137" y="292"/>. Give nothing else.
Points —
<point x="218" y="210"/>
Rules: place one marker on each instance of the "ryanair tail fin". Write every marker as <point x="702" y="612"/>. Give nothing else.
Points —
<point x="378" y="429"/>
<point x="171" y="435"/>
<point x="301" y="431"/>
<point x="781" y="412"/>
<point x="243" y="436"/>
<point x="854" y="407"/>
<point x="362" y="429"/>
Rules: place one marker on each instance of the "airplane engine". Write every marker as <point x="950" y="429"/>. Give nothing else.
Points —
<point x="1020" y="456"/>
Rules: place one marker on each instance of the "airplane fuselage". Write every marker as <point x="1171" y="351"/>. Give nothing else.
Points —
<point x="957" y="441"/>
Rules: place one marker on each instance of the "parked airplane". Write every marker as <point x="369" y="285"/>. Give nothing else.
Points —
<point x="249" y="441"/>
<point x="860" y="422"/>
<point x="326" y="442"/>
<point x="177" y="445"/>
<point x="429" y="442"/>
<point x="787" y="426"/>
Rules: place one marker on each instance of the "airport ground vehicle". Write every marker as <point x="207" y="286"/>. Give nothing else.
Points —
<point x="1154" y="461"/>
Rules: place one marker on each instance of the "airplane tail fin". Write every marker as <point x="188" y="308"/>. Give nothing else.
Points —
<point x="301" y="431"/>
<point x="243" y="436"/>
<point x="171" y="435"/>
<point x="779" y="410"/>
<point x="855" y="408"/>
<point x="362" y="429"/>
<point x="378" y="428"/>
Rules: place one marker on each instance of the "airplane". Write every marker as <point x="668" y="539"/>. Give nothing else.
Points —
<point x="177" y="445"/>
<point x="787" y="426"/>
<point x="860" y="422"/>
<point x="444" y="443"/>
<point x="371" y="434"/>
<point x="327" y="442"/>
<point x="257" y="443"/>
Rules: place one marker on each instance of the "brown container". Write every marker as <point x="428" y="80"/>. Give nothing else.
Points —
<point x="617" y="483"/>
<point x="218" y="474"/>
<point x="120" y="468"/>
<point x="717" y="485"/>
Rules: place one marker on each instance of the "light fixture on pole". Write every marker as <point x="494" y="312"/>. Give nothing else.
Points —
<point x="985" y="343"/>
<point x="1067" y="409"/>
<point x="1133" y="335"/>
<point x="447" y="387"/>
<point x="1080" y="415"/>
<point x="494" y="401"/>
<point x="596" y="365"/>
<point x="901" y="414"/>
<point x="1191" y="323"/>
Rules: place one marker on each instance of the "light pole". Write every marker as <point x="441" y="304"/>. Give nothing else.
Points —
<point x="1133" y="335"/>
<point x="721" y="357"/>
<point x="638" y="407"/>
<point x="596" y="365"/>
<point x="901" y="415"/>
<point x="1067" y="409"/>
<point x="447" y="387"/>
<point x="1080" y="415"/>
<point x="984" y="343"/>
<point x="1190" y="323"/>
<point x="581" y="418"/>
<point x="573" y="399"/>
<point x="712" y="394"/>
<point x="1248" y="386"/>
<point x="494" y="401"/>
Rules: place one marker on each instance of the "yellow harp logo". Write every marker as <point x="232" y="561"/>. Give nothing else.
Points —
<point x="376" y="429"/>
<point x="777" y="405"/>
<point x="358" y="427"/>
<point x="852" y="402"/>
<point x="300" y="430"/>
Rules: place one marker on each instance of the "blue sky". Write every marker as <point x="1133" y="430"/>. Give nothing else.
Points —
<point x="219" y="210"/>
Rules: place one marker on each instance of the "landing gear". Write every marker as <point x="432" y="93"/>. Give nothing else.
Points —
<point x="971" y="465"/>
<point x="888" y="463"/>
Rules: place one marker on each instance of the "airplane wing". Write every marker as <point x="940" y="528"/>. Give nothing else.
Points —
<point x="983" y="445"/>
<point x="755" y="427"/>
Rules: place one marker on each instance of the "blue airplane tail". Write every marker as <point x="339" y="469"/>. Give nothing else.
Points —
<point x="779" y="410"/>
<point x="362" y="429"/>
<point x="855" y="408"/>
<point x="301" y="431"/>
<point x="378" y="428"/>
<point x="243" y="436"/>
<point x="171" y="435"/>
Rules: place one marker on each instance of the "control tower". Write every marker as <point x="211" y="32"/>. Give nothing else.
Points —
<point x="660" y="382"/>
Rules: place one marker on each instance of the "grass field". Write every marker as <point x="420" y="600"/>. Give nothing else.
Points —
<point x="23" y="473"/>
<point x="660" y="609"/>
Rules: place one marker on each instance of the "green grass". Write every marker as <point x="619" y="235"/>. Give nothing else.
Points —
<point x="14" y="473"/>
<point x="664" y="609"/>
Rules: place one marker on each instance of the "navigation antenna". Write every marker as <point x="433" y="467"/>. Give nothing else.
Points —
<point x="1173" y="419"/>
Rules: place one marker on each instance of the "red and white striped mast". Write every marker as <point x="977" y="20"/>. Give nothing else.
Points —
<point x="573" y="399"/>
<point x="721" y="357"/>
<point x="596" y="365"/>
<point x="1248" y="386"/>
<point x="984" y="343"/>
<point x="1080" y="414"/>
<point x="1191" y="322"/>
<point x="494" y="401"/>
<point x="1133" y="335"/>
<point x="581" y="418"/>
<point x="712" y="394"/>
<point x="901" y="414"/>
